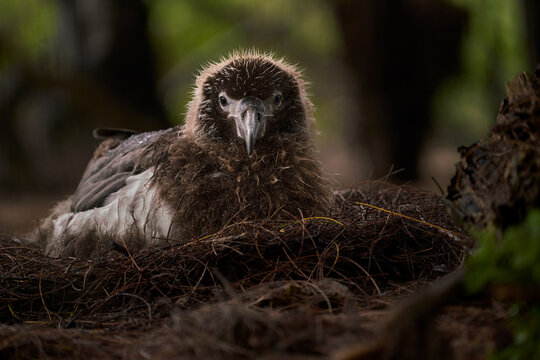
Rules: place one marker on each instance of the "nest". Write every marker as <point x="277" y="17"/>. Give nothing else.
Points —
<point x="299" y="287"/>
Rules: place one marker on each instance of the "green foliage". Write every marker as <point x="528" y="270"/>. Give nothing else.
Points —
<point x="526" y="324"/>
<point x="512" y="259"/>
<point x="493" y="52"/>
<point x="26" y="29"/>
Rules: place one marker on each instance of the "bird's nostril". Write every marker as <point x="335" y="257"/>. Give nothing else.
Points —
<point x="258" y="115"/>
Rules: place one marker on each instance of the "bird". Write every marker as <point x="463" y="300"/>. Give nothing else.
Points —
<point x="244" y="152"/>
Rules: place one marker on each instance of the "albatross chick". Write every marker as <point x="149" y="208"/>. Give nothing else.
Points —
<point x="245" y="152"/>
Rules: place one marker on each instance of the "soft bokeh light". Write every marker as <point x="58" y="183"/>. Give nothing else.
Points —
<point x="493" y="52"/>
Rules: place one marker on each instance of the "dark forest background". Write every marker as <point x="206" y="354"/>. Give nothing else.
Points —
<point x="397" y="84"/>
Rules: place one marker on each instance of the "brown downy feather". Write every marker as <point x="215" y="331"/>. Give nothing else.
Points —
<point x="212" y="184"/>
<point x="242" y="65"/>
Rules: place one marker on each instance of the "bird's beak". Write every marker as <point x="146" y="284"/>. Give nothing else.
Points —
<point x="251" y="122"/>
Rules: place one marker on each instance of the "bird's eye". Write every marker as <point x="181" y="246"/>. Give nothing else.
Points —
<point x="223" y="101"/>
<point x="277" y="99"/>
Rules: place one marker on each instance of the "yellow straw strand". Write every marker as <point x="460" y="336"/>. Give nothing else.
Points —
<point x="410" y="218"/>
<point x="323" y="218"/>
<point x="13" y="312"/>
<point x="192" y="242"/>
<point x="259" y="251"/>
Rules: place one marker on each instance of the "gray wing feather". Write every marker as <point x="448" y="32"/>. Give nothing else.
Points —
<point x="108" y="173"/>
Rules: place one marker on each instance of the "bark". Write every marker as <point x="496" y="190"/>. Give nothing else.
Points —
<point x="498" y="180"/>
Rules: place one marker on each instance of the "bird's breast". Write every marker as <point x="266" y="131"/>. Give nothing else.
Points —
<point x="210" y="185"/>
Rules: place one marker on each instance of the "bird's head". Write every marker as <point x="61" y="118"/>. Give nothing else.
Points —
<point x="249" y="97"/>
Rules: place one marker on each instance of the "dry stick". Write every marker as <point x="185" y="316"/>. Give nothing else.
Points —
<point x="259" y="250"/>
<point x="304" y="230"/>
<point x="143" y="300"/>
<point x="335" y="260"/>
<point x="200" y="278"/>
<point x="367" y="274"/>
<point x="319" y="218"/>
<point x="294" y="264"/>
<point x="13" y="312"/>
<point x="130" y="256"/>
<point x="41" y="295"/>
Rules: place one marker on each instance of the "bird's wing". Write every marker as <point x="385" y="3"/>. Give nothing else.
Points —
<point x="116" y="159"/>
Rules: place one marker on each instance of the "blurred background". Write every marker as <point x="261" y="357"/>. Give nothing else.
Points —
<point x="398" y="85"/>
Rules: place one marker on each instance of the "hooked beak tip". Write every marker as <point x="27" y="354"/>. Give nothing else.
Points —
<point x="250" y="122"/>
<point x="249" y="148"/>
<point x="251" y="130"/>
